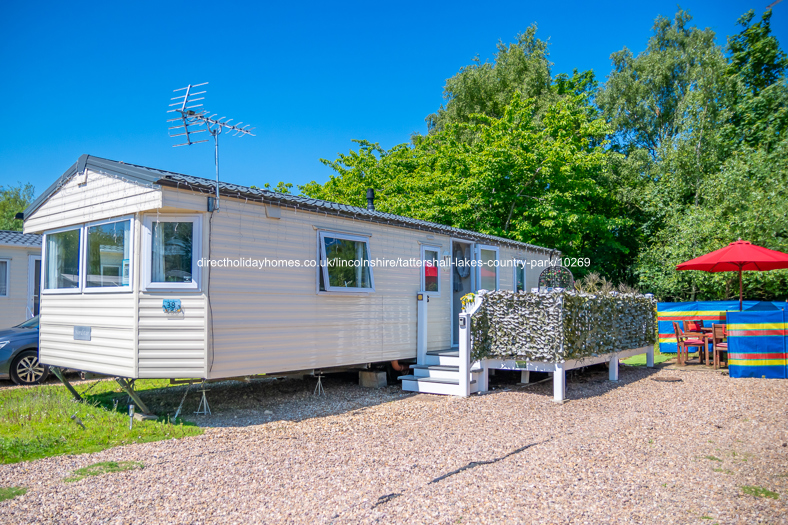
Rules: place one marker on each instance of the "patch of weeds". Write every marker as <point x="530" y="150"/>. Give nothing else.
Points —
<point x="759" y="492"/>
<point x="713" y="458"/>
<point x="723" y="470"/>
<point x="105" y="467"/>
<point x="11" y="492"/>
<point x="706" y="518"/>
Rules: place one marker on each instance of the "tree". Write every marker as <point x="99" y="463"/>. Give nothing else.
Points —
<point x="721" y="175"/>
<point x="14" y="199"/>
<point x="537" y="180"/>
<point x="487" y="88"/>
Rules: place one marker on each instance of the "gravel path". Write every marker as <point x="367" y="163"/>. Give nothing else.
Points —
<point x="640" y="451"/>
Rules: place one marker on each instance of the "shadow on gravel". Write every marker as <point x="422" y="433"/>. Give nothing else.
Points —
<point x="260" y="401"/>
<point x="581" y="383"/>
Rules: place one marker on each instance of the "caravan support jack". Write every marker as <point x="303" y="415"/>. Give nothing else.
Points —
<point x="126" y="386"/>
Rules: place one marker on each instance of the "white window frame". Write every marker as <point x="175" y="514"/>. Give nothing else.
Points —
<point x="31" y="282"/>
<point x="60" y="291"/>
<point x="322" y="267"/>
<point x="84" y="263"/>
<point x="434" y="248"/>
<point x="479" y="248"/>
<point x="147" y="252"/>
<point x="7" y="262"/>
<point x="525" y="275"/>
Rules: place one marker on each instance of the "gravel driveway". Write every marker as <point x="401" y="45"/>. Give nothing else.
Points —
<point x="639" y="451"/>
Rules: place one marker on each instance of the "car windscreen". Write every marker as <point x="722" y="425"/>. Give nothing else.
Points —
<point x="30" y="323"/>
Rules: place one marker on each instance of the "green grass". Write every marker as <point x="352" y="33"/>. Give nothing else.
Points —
<point x="640" y="360"/>
<point x="712" y="458"/>
<point x="105" y="467"/>
<point x="11" y="492"/>
<point x="759" y="492"/>
<point x="37" y="422"/>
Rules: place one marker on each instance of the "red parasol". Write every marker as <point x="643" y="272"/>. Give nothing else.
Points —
<point x="740" y="256"/>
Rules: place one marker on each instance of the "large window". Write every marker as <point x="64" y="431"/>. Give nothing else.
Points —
<point x="430" y="276"/>
<point x="519" y="276"/>
<point x="61" y="260"/>
<point x="173" y="245"/>
<point x="344" y="263"/>
<point x="4" y="277"/>
<point x="108" y="254"/>
<point x="488" y="268"/>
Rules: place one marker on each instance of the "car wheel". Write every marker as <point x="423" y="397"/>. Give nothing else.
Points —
<point x="27" y="370"/>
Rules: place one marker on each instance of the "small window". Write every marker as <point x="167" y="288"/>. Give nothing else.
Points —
<point x="4" y="277"/>
<point x="61" y="260"/>
<point x="519" y="276"/>
<point x="108" y="254"/>
<point x="488" y="268"/>
<point x="430" y="276"/>
<point x="344" y="263"/>
<point x="173" y="248"/>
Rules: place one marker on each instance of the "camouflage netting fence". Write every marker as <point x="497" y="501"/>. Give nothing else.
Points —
<point x="556" y="327"/>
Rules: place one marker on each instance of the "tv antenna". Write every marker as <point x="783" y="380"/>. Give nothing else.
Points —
<point x="193" y="119"/>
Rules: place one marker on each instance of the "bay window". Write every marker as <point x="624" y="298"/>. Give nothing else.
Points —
<point x="108" y="255"/>
<point x="61" y="260"/>
<point x="172" y="251"/>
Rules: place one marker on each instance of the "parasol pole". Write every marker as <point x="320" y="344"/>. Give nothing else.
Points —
<point x="740" y="290"/>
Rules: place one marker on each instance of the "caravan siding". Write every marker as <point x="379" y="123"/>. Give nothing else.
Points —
<point x="111" y="319"/>
<point x="172" y="345"/>
<point x="100" y="197"/>
<point x="272" y="320"/>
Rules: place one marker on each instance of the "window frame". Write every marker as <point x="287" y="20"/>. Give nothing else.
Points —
<point x="44" y="260"/>
<point x="7" y="261"/>
<point x="496" y="249"/>
<point x="84" y="262"/>
<point x="525" y="274"/>
<point x="435" y="248"/>
<point x="321" y="268"/>
<point x="147" y="253"/>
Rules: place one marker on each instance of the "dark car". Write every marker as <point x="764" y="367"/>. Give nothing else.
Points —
<point x="19" y="354"/>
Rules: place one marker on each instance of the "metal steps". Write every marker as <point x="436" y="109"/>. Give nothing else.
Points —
<point x="439" y="374"/>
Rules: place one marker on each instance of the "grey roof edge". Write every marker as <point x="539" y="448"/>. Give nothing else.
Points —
<point x="19" y="239"/>
<point x="147" y="175"/>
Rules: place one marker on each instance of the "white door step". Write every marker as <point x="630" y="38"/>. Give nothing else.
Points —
<point x="441" y="380"/>
<point x="448" y="352"/>
<point x="444" y="368"/>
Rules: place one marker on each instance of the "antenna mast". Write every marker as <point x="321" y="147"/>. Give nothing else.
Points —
<point x="193" y="119"/>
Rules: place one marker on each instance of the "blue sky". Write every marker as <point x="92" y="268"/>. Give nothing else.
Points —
<point x="96" y="77"/>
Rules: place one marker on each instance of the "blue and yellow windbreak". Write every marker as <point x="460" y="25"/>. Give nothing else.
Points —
<point x="757" y="338"/>
<point x="757" y="344"/>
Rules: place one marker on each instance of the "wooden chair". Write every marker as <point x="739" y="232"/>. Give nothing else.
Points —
<point x="720" y="342"/>
<point x="683" y="342"/>
<point x="694" y="329"/>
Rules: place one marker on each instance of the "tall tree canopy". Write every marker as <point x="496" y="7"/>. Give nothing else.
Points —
<point x="681" y="151"/>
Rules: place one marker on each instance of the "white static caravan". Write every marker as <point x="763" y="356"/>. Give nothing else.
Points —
<point x="125" y="291"/>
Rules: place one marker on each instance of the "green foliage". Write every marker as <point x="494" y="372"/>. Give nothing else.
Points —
<point x="542" y="181"/>
<point x="487" y="88"/>
<point x="11" y="492"/>
<point x="36" y="422"/>
<point x="104" y="467"/>
<point x="13" y="200"/>
<point x="680" y="152"/>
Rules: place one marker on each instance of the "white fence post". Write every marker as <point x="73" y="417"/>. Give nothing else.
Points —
<point x="422" y="299"/>
<point x="559" y="383"/>
<point x="465" y="354"/>
<point x="650" y="357"/>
